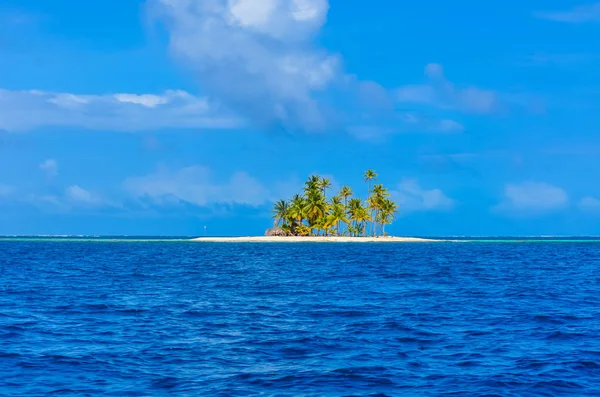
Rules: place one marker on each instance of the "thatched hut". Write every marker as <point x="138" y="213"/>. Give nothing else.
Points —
<point x="274" y="232"/>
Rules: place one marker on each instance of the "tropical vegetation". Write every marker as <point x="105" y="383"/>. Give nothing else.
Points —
<point x="313" y="213"/>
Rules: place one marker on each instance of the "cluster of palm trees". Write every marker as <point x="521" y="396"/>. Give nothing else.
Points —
<point x="312" y="213"/>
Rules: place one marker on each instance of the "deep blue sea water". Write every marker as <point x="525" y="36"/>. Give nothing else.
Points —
<point x="80" y="318"/>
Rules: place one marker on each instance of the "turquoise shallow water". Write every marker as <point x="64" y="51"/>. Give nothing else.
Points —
<point x="162" y="239"/>
<point x="157" y="318"/>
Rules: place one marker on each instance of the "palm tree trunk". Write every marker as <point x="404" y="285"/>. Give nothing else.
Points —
<point x="368" y="198"/>
<point x="374" y="230"/>
<point x="345" y="208"/>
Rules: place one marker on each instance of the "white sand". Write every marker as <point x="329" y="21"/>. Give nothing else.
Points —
<point x="264" y="239"/>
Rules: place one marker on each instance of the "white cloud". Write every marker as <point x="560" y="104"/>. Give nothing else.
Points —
<point x="439" y="92"/>
<point x="578" y="14"/>
<point x="78" y="195"/>
<point x="590" y="204"/>
<point x="410" y="123"/>
<point x="195" y="185"/>
<point x="533" y="198"/>
<point x="259" y="59"/>
<point x="50" y="167"/>
<point x="72" y="197"/>
<point x="257" y="56"/>
<point x="450" y="126"/>
<point x="421" y="123"/>
<point x="410" y="196"/>
<point x="26" y="110"/>
<point x="147" y="100"/>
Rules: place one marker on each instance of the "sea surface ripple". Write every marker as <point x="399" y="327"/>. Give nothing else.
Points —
<point x="210" y="319"/>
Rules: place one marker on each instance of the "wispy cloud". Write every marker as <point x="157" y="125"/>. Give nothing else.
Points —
<point x="578" y="14"/>
<point x="559" y="59"/>
<point x="73" y="197"/>
<point x="532" y="198"/>
<point x="196" y="185"/>
<point x="80" y="196"/>
<point x="50" y="167"/>
<point x="26" y="110"/>
<point x="410" y="197"/>
<point x="590" y="205"/>
<point x="419" y="122"/>
<point x="440" y="92"/>
<point x="406" y="123"/>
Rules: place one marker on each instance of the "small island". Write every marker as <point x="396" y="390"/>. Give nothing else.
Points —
<point x="312" y="239"/>
<point x="312" y="216"/>
<point x="312" y="213"/>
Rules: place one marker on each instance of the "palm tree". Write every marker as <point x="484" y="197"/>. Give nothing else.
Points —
<point x="345" y="192"/>
<point x="378" y="195"/>
<point x="313" y="183"/>
<point x="296" y="211"/>
<point x="315" y="207"/>
<point x="338" y="215"/>
<point x="372" y="209"/>
<point x="388" y="213"/>
<point x="362" y="216"/>
<point x="354" y="203"/>
<point x="280" y="212"/>
<point x="352" y="208"/>
<point x="336" y="200"/>
<point x="320" y="224"/>
<point x="329" y="223"/>
<point x="370" y="175"/>
<point x="324" y="184"/>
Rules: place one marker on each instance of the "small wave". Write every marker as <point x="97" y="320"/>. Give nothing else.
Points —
<point x="565" y="335"/>
<point x="96" y="306"/>
<point x="65" y="391"/>
<point x="10" y="335"/>
<point x="557" y="384"/>
<point x="165" y="383"/>
<point x="9" y="355"/>
<point x="583" y="364"/>
<point x="132" y="311"/>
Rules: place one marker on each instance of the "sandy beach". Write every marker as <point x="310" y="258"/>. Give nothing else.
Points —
<point x="264" y="239"/>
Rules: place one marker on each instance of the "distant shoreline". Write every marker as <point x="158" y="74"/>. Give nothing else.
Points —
<point x="312" y="239"/>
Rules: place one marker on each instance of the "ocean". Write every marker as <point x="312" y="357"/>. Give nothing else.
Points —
<point x="164" y="317"/>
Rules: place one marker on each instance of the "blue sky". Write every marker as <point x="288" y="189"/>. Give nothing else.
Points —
<point x="165" y="116"/>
